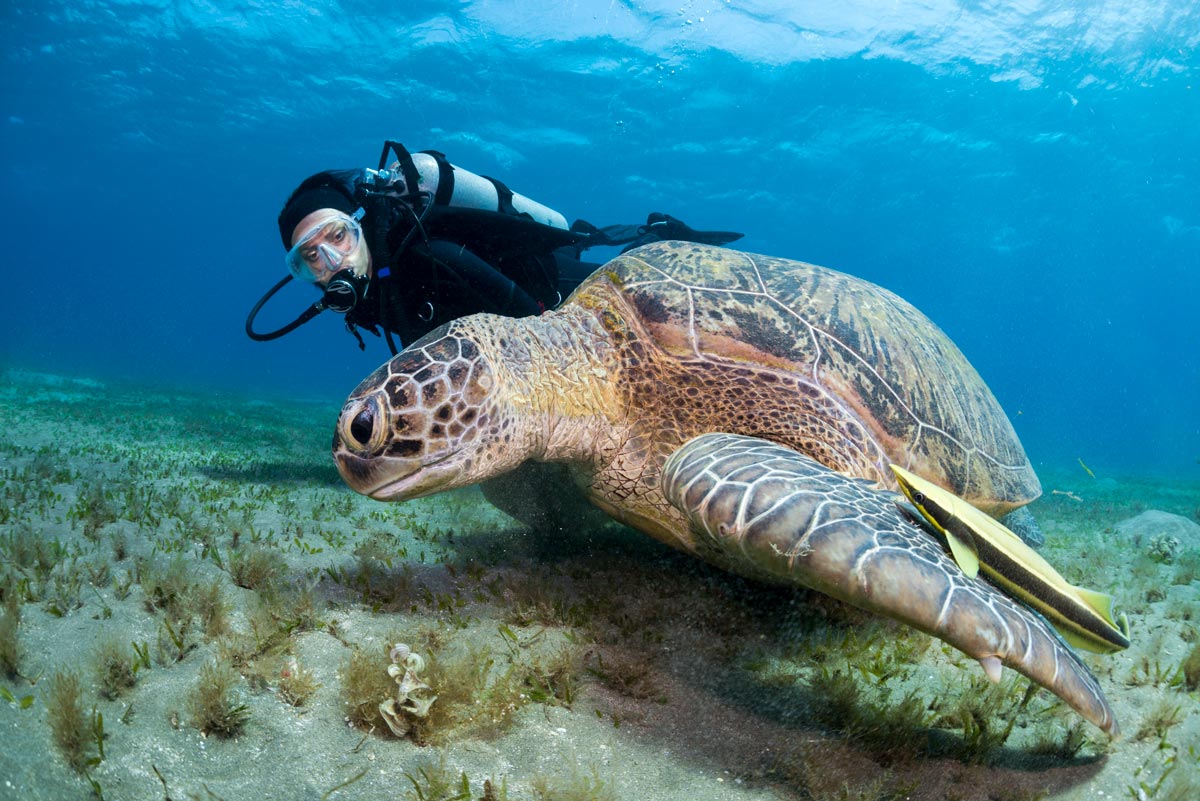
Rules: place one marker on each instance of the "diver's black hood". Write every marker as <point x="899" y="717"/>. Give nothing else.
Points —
<point x="330" y="189"/>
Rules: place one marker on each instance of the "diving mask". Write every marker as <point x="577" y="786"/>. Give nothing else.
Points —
<point x="332" y="244"/>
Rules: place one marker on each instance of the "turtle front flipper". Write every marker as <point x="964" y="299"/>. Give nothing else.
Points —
<point x="781" y="514"/>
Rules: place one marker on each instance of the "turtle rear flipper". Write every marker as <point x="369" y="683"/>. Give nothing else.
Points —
<point x="784" y="515"/>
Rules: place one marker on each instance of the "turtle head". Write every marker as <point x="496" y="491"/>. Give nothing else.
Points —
<point x="426" y="421"/>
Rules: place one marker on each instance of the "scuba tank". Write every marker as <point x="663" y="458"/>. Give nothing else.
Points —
<point x="450" y="185"/>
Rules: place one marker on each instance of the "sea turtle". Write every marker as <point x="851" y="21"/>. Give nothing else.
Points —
<point x="742" y="408"/>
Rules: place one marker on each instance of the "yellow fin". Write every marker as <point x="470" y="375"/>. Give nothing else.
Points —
<point x="964" y="553"/>
<point x="1102" y="605"/>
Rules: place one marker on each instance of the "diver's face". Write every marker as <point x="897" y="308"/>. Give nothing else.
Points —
<point x="329" y="245"/>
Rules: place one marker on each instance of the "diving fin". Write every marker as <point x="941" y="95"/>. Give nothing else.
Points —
<point x="609" y="235"/>
<point x="658" y="227"/>
<point x="664" y="226"/>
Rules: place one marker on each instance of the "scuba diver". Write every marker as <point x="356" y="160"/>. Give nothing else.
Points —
<point x="400" y="250"/>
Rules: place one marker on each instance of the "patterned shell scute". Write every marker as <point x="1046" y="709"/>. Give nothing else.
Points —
<point x="854" y="342"/>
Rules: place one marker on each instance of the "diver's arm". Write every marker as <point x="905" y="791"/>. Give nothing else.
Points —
<point x="571" y="270"/>
<point x="493" y="291"/>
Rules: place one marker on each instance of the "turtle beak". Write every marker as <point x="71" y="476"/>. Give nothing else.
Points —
<point x="358" y="473"/>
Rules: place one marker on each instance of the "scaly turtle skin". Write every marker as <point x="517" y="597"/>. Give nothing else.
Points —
<point x="738" y="407"/>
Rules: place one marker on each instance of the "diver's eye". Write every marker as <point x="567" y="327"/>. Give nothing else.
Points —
<point x="336" y="233"/>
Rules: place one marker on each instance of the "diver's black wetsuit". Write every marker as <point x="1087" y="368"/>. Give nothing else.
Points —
<point x="471" y="261"/>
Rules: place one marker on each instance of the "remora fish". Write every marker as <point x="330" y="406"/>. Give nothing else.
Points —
<point x="1083" y="617"/>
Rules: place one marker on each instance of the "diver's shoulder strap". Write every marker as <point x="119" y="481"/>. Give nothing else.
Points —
<point x="445" y="187"/>
<point x="504" y="197"/>
<point x="412" y="176"/>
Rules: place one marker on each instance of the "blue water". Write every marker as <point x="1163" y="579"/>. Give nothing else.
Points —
<point x="1028" y="177"/>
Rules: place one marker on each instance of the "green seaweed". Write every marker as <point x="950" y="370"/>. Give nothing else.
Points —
<point x="1062" y="742"/>
<point x="72" y="731"/>
<point x="212" y="702"/>
<point x="1167" y="774"/>
<point x="434" y="781"/>
<point x="93" y="508"/>
<point x="986" y="714"/>
<point x="629" y="674"/>
<point x="113" y="668"/>
<point x="121" y="585"/>
<point x="344" y="784"/>
<point x="554" y="680"/>
<point x="31" y="554"/>
<point x="1187" y="567"/>
<point x="62" y="590"/>
<point x="210" y="606"/>
<point x="297" y="684"/>
<point x="1150" y="670"/>
<point x="891" y="729"/>
<point x="549" y="678"/>
<point x="141" y="656"/>
<point x="1162" y="717"/>
<point x="575" y="784"/>
<point x="10" y="641"/>
<point x="295" y="609"/>
<point x="476" y="695"/>
<point x="1189" y="668"/>
<point x="821" y="784"/>
<point x="365" y="684"/>
<point x="120" y="545"/>
<point x="256" y="567"/>
<point x="167" y="588"/>
<point x="174" y="641"/>
<point x="24" y="702"/>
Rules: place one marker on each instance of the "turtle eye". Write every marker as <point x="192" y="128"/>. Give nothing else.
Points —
<point x="363" y="426"/>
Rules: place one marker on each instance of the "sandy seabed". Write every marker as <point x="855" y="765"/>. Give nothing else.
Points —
<point x="151" y="540"/>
